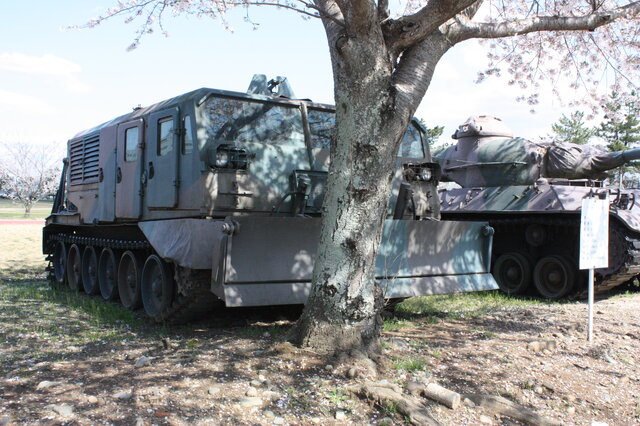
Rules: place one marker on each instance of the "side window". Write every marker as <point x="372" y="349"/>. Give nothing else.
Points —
<point x="165" y="136"/>
<point x="131" y="144"/>
<point x="322" y="125"/>
<point x="411" y="145"/>
<point x="187" y="143"/>
<point x="238" y="121"/>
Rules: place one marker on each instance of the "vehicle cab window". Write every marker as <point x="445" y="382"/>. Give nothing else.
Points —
<point x="165" y="136"/>
<point x="131" y="138"/>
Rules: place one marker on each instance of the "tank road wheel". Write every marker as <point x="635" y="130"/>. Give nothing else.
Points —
<point x="74" y="268"/>
<point x="554" y="276"/>
<point x="60" y="263"/>
<point x="107" y="274"/>
<point x="158" y="288"/>
<point x="512" y="272"/>
<point x="536" y="235"/>
<point x="90" y="271"/>
<point x="129" y="274"/>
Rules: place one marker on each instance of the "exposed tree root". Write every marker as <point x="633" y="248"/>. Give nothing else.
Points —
<point x="500" y="405"/>
<point x="390" y="394"/>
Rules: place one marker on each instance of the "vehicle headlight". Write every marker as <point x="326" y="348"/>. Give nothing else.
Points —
<point x="425" y="175"/>
<point x="421" y="172"/>
<point x="222" y="159"/>
<point x="231" y="157"/>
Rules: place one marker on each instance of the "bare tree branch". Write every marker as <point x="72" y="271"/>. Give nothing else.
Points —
<point x="332" y="17"/>
<point x="466" y="29"/>
<point x="413" y="73"/>
<point x="408" y="30"/>
<point x="383" y="9"/>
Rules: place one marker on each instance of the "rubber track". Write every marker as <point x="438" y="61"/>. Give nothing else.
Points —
<point x="630" y="267"/>
<point x="101" y="242"/>
<point x="193" y="297"/>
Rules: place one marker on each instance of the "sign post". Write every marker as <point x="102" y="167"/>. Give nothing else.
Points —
<point x="594" y="243"/>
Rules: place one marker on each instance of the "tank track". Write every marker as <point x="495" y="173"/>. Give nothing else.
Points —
<point x="101" y="242"/>
<point x="192" y="298"/>
<point x="626" y="247"/>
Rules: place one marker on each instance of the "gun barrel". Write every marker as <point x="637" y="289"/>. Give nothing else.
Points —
<point x="631" y="154"/>
<point x="611" y="160"/>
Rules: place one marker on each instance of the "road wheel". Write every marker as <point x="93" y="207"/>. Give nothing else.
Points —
<point x="129" y="275"/>
<point x="158" y="287"/>
<point x="90" y="271"/>
<point x="554" y="276"/>
<point x="74" y="268"/>
<point x="60" y="263"/>
<point x="107" y="274"/>
<point x="512" y="272"/>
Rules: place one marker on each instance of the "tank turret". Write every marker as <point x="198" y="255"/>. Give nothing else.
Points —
<point x="531" y="193"/>
<point x="487" y="154"/>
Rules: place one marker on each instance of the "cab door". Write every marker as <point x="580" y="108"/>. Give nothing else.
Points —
<point x="162" y="159"/>
<point x="129" y="161"/>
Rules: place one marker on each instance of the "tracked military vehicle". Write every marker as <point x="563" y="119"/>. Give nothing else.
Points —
<point x="531" y="194"/>
<point x="215" y="197"/>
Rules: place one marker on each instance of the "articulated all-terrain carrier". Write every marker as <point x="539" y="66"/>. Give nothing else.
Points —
<point x="531" y="194"/>
<point x="215" y="197"/>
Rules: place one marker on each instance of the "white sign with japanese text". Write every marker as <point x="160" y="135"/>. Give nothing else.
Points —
<point x="594" y="233"/>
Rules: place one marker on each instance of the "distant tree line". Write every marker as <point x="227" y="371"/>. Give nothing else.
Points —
<point x="28" y="173"/>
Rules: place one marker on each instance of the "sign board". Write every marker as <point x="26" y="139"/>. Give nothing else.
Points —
<point x="594" y="233"/>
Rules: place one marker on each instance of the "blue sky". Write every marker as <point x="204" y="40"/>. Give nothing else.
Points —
<point x="56" y="82"/>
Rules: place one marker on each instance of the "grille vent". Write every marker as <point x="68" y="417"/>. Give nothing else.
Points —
<point x="83" y="163"/>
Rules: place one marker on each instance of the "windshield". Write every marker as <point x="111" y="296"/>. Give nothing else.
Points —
<point x="322" y="123"/>
<point x="235" y="120"/>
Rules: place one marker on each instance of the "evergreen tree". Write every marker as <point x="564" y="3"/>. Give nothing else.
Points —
<point x="621" y="128"/>
<point x="433" y="133"/>
<point x="571" y="129"/>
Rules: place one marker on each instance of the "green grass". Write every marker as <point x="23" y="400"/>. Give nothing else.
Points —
<point x="394" y="324"/>
<point x="86" y="318"/>
<point x="463" y="305"/>
<point x="13" y="211"/>
<point x="389" y="409"/>
<point x="410" y="364"/>
<point x="337" y="396"/>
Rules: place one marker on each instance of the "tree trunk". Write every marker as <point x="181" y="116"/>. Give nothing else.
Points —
<point x="376" y="95"/>
<point x="342" y="312"/>
<point x="27" y="209"/>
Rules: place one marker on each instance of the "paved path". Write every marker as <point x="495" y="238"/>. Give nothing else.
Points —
<point x="22" y="222"/>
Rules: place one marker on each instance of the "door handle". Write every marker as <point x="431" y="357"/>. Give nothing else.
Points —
<point x="119" y="175"/>
<point x="151" y="171"/>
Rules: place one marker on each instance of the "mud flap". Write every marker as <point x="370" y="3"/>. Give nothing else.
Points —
<point x="269" y="260"/>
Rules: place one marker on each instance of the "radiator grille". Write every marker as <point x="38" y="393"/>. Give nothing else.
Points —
<point x="83" y="160"/>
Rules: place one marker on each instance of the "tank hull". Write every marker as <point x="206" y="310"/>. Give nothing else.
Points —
<point x="541" y="223"/>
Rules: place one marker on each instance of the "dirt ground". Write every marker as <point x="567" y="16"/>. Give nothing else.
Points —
<point x="20" y="248"/>
<point x="61" y="366"/>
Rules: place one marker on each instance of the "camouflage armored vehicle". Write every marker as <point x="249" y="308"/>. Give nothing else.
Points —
<point x="531" y="194"/>
<point x="214" y="197"/>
